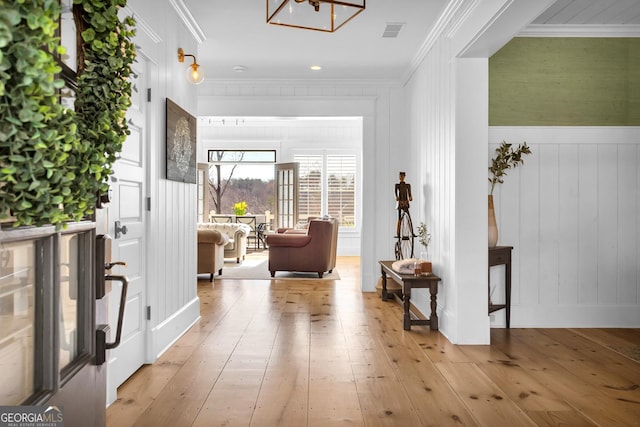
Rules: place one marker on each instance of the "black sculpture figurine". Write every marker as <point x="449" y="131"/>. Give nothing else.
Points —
<point x="403" y="197"/>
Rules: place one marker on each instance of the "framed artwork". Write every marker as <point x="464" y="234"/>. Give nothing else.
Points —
<point x="181" y="144"/>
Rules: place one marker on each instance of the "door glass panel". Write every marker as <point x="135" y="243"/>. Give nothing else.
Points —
<point x="286" y="182"/>
<point x="17" y="317"/>
<point x="69" y="264"/>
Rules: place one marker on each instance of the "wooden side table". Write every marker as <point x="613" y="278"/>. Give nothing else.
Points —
<point x="501" y="255"/>
<point x="408" y="282"/>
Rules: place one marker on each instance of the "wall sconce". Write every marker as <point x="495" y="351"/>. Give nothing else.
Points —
<point x="195" y="74"/>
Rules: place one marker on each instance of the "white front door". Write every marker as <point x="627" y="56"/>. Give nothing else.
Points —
<point x="127" y="228"/>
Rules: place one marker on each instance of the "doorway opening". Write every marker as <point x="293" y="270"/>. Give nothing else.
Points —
<point x="328" y="151"/>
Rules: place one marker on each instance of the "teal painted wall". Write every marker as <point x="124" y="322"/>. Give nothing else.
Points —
<point x="565" y="82"/>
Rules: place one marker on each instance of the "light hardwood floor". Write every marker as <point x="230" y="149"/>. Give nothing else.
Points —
<point x="322" y="353"/>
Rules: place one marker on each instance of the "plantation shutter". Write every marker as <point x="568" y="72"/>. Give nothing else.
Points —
<point x="309" y="185"/>
<point x="341" y="188"/>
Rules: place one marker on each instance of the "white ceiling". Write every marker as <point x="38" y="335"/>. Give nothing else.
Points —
<point x="591" y="12"/>
<point x="236" y="34"/>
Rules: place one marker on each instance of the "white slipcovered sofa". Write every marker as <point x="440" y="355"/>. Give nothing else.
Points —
<point x="237" y="235"/>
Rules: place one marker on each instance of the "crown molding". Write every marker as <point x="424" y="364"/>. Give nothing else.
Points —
<point x="580" y="31"/>
<point x="377" y="83"/>
<point x="561" y="135"/>
<point x="189" y="21"/>
<point x="438" y="29"/>
<point x="143" y="25"/>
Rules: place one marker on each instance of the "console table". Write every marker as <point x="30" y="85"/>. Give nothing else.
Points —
<point x="408" y="282"/>
<point x="501" y="255"/>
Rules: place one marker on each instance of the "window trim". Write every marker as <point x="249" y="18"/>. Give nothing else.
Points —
<point x="241" y="161"/>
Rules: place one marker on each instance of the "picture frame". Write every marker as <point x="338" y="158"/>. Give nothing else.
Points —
<point x="180" y="144"/>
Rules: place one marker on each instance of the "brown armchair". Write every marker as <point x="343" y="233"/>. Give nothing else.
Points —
<point x="210" y="252"/>
<point x="313" y="251"/>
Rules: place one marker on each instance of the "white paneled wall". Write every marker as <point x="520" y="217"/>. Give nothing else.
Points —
<point x="447" y="105"/>
<point x="432" y="131"/>
<point x="171" y="231"/>
<point x="572" y="213"/>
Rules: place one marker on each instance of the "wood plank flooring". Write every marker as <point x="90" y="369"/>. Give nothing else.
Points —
<point x="322" y="353"/>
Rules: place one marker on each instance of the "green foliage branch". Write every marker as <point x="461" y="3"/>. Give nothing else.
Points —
<point x="37" y="134"/>
<point x="424" y="237"/>
<point x="505" y="159"/>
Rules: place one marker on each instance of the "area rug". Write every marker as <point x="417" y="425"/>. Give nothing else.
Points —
<point x="257" y="269"/>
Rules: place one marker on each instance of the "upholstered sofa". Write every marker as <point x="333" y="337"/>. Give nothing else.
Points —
<point x="237" y="235"/>
<point x="310" y="250"/>
<point x="211" y="252"/>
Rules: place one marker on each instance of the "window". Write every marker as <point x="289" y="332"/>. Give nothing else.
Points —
<point x="234" y="176"/>
<point x="309" y="185"/>
<point x="327" y="186"/>
<point x="241" y="156"/>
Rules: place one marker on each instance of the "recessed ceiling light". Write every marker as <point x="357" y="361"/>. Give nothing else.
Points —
<point x="239" y="68"/>
<point x="315" y="68"/>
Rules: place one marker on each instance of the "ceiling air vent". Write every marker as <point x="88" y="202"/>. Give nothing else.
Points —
<point x="392" y="30"/>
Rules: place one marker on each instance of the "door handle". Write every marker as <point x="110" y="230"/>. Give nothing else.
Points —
<point x="110" y="265"/>
<point x="101" y="333"/>
<point x="119" y="230"/>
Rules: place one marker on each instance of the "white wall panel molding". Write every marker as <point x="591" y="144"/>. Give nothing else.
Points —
<point x="572" y="213"/>
<point x="188" y="20"/>
<point x="566" y="134"/>
<point x="570" y="316"/>
<point x="288" y="83"/>
<point x="550" y="30"/>
<point x="165" y="334"/>
<point x="281" y="106"/>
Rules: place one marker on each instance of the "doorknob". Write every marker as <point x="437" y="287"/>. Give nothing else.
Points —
<point x="120" y="230"/>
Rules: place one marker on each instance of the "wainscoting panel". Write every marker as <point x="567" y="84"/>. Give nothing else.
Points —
<point x="572" y="213"/>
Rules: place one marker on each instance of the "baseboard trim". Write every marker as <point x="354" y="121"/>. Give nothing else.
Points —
<point x="561" y="316"/>
<point x="165" y="334"/>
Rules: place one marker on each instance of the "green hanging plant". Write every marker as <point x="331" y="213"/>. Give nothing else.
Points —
<point x="104" y="93"/>
<point x="37" y="134"/>
<point x="54" y="162"/>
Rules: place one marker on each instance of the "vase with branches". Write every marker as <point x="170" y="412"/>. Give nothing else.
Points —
<point x="424" y="237"/>
<point x="506" y="158"/>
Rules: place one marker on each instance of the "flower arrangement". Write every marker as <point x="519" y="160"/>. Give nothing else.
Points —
<point x="506" y="158"/>
<point x="424" y="237"/>
<point x="240" y="208"/>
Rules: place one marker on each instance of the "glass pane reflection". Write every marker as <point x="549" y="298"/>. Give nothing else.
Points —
<point x="17" y="317"/>
<point x="69" y="263"/>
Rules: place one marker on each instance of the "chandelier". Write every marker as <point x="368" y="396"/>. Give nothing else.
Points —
<point x="319" y="15"/>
